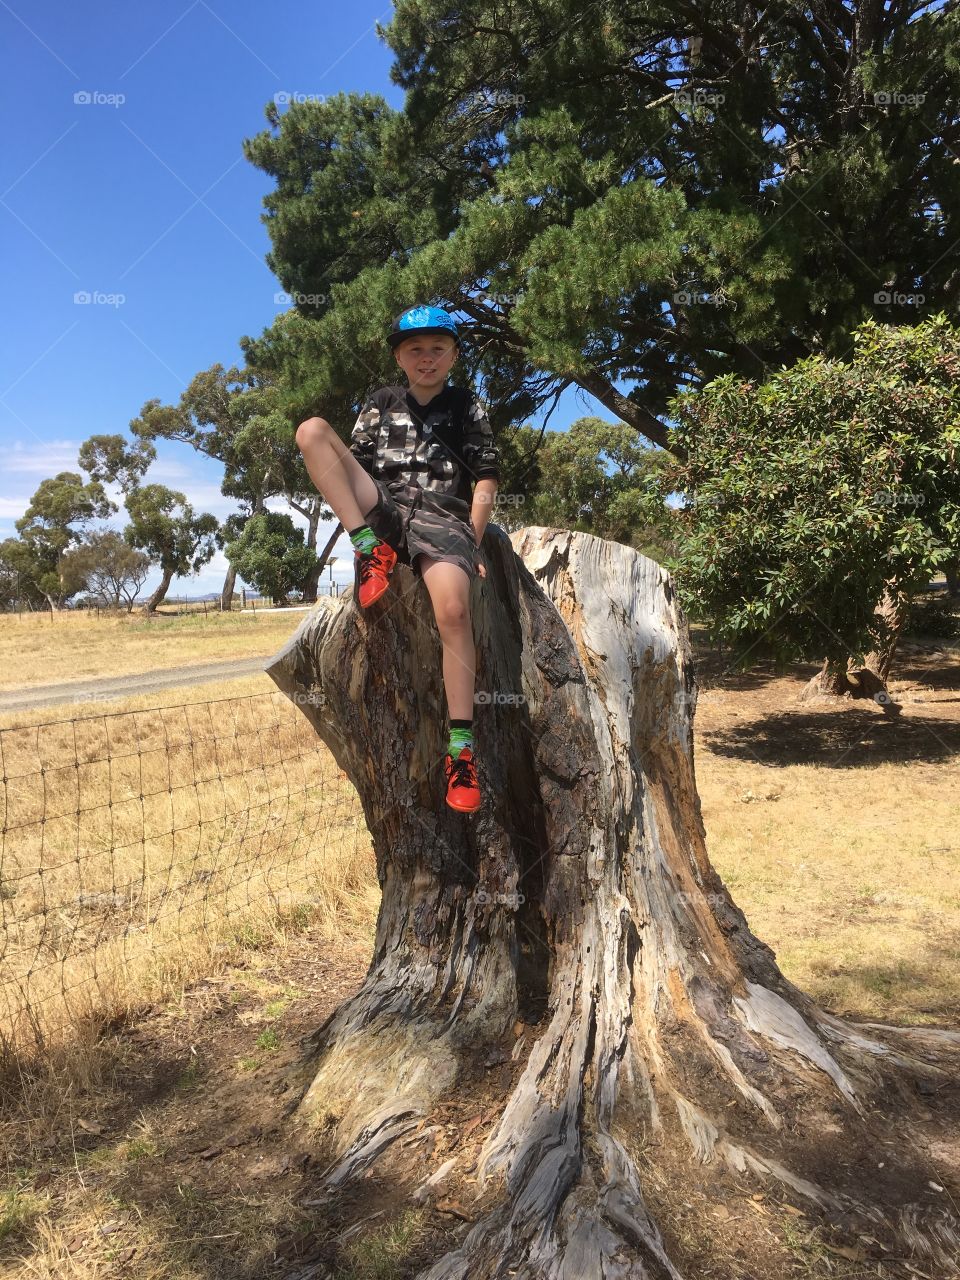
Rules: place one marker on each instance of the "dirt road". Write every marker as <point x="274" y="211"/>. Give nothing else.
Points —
<point x="100" y="690"/>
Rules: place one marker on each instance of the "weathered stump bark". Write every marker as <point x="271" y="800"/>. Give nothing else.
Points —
<point x="575" y="930"/>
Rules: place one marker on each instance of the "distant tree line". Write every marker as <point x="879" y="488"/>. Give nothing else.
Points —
<point x="64" y="552"/>
<point x="797" y="513"/>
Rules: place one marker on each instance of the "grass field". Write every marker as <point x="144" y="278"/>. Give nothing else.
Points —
<point x="46" y="649"/>
<point x="836" y="831"/>
<point x="227" y="911"/>
<point x="143" y="838"/>
<point x="831" y="827"/>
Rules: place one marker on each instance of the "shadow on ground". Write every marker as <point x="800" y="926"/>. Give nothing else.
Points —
<point x="854" y="737"/>
<point x="182" y="1163"/>
<point x="843" y="733"/>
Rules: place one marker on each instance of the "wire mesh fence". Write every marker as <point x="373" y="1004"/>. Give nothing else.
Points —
<point x="133" y="844"/>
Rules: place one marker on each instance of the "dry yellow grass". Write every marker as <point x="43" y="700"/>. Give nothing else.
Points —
<point x="209" y="691"/>
<point x="35" y="649"/>
<point x="141" y="845"/>
<point x="165" y="1248"/>
<point x="850" y="873"/>
<point x="840" y="842"/>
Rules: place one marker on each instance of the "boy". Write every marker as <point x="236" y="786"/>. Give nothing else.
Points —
<point x="403" y="490"/>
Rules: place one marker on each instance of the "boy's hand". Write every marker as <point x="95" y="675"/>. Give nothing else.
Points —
<point x="481" y="568"/>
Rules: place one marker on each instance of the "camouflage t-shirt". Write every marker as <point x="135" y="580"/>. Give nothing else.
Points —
<point x="444" y="445"/>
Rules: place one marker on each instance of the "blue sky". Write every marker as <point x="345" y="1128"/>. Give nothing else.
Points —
<point x="123" y="179"/>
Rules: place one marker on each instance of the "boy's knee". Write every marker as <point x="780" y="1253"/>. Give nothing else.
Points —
<point x="312" y="430"/>
<point x="452" y="614"/>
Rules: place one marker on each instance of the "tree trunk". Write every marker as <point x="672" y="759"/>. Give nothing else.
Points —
<point x="229" y="582"/>
<point x="830" y="681"/>
<point x="313" y="577"/>
<point x="950" y="570"/>
<point x="833" y="680"/>
<point x="574" y="935"/>
<point x="161" y="591"/>
<point x="892" y="613"/>
<point x="870" y="681"/>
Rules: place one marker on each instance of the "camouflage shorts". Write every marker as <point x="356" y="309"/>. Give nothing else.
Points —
<point x="414" y="520"/>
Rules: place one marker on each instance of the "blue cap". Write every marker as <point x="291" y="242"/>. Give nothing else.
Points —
<point x="422" y="321"/>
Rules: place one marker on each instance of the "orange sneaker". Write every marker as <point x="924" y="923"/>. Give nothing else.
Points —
<point x="463" y="789"/>
<point x="372" y="572"/>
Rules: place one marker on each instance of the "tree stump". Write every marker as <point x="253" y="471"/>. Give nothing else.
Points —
<point x="567" y="959"/>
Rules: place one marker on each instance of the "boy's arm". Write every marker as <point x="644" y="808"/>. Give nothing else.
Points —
<point x="482" y="458"/>
<point x="483" y="496"/>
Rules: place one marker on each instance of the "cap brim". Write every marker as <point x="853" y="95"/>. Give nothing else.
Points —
<point x="395" y="339"/>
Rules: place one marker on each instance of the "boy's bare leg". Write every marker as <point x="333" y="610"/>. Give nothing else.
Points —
<point x="449" y="589"/>
<point x="338" y="476"/>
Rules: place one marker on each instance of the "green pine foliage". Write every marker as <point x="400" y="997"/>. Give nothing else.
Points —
<point x="633" y="198"/>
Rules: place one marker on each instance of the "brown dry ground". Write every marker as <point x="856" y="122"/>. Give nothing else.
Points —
<point x="836" y="830"/>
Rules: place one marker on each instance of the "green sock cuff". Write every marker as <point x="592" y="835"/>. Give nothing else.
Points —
<point x="459" y="738"/>
<point x="364" y="539"/>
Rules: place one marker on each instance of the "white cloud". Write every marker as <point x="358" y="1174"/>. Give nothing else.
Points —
<point x="41" y="459"/>
<point x="47" y="458"/>
<point x="170" y="473"/>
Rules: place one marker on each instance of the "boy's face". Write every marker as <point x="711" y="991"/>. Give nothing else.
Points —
<point x="426" y="361"/>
